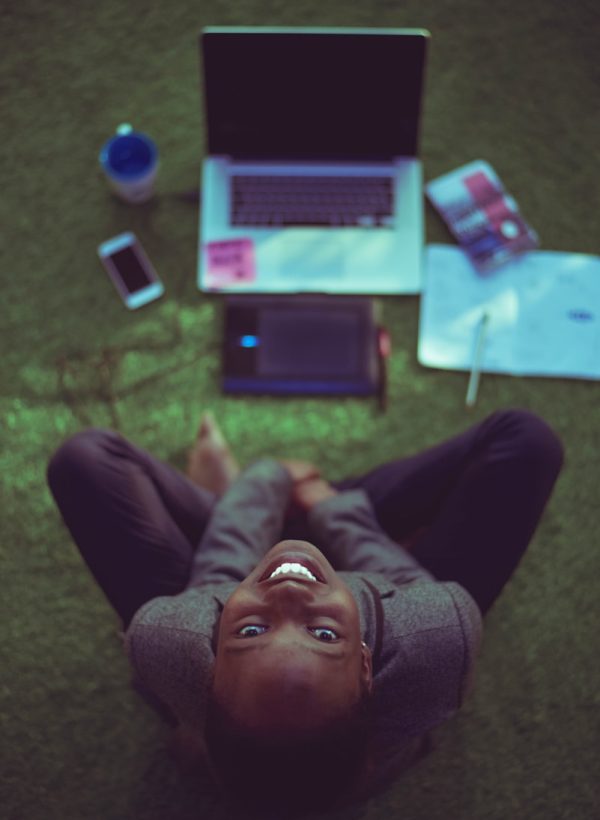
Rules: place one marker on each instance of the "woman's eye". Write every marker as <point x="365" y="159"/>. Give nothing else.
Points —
<point x="324" y="634"/>
<point x="252" y="630"/>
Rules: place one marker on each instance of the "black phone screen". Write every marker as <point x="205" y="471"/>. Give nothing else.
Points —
<point x="129" y="267"/>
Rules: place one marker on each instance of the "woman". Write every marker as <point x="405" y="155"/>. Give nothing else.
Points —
<point x="304" y="635"/>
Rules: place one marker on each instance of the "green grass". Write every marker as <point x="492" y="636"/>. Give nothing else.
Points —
<point x="516" y="84"/>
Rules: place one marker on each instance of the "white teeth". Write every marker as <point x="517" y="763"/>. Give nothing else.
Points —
<point x="296" y="569"/>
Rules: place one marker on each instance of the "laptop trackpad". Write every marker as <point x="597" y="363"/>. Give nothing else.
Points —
<point x="337" y="261"/>
<point x="311" y="256"/>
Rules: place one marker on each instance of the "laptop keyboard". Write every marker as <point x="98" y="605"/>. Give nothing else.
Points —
<point x="331" y="201"/>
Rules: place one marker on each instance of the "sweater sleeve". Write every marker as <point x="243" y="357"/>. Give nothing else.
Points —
<point x="169" y="646"/>
<point x="469" y="617"/>
<point x="353" y="540"/>
<point x="245" y="523"/>
<point x="432" y="635"/>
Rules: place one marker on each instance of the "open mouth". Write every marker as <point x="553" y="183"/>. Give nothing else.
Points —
<point x="286" y="567"/>
<point x="289" y="568"/>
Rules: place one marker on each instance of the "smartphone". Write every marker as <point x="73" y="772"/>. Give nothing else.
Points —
<point x="131" y="271"/>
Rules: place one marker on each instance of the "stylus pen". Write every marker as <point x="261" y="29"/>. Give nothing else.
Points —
<point x="383" y="387"/>
<point x="384" y="344"/>
<point x="473" y="385"/>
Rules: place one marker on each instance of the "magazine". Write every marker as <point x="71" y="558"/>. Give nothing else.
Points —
<point x="481" y="215"/>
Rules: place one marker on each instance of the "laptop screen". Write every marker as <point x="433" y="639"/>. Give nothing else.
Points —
<point x="313" y="95"/>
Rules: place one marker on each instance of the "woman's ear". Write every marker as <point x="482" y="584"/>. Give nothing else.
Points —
<point x="366" y="670"/>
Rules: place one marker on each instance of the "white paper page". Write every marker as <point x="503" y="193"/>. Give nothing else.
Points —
<point x="544" y="314"/>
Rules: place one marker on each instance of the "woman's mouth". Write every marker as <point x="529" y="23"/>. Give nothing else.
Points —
<point x="288" y="568"/>
<point x="293" y="565"/>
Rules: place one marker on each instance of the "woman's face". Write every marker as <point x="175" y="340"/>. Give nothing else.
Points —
<point x="289" y="651"/>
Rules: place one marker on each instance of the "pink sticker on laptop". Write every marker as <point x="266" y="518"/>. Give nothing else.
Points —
<point x="230" y="263"/>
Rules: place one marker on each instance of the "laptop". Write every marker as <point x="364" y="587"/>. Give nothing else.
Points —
<point x="312" y="181"/>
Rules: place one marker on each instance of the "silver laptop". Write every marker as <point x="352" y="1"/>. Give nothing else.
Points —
<point x="312" y="181"/>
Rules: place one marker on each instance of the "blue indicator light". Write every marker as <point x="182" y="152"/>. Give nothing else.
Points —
<point x="249" y="341"/>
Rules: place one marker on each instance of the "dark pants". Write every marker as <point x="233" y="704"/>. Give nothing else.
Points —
<point x="468" y="507"/>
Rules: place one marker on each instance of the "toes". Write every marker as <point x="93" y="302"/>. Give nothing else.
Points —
<point x="208" y="426"/>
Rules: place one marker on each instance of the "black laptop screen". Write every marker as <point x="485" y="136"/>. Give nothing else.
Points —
<point x="307" y="95"/>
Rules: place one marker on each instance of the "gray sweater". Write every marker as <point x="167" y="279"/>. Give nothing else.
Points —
<point x="423" y="634"/>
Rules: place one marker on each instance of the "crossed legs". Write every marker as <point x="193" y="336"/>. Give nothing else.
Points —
<point x="469" y="505"/>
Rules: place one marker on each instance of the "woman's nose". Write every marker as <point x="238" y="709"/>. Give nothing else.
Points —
<point x="289" y="593"/>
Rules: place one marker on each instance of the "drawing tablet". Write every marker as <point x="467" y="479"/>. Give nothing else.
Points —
<point x="300" y="345"/>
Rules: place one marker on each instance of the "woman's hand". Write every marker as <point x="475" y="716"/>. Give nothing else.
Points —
<point x="309" y="488"/>
<point x="311" y="492"/>
<point x="300" y="470"/>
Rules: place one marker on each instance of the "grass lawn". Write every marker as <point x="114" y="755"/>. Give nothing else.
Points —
<point x="516" y="84"/>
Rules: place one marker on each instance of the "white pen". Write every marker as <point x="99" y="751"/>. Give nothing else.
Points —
<point x="473" y="385"/>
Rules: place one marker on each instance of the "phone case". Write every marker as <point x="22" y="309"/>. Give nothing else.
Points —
<point x="481" y="215"/>
<point x="135" y="278"/>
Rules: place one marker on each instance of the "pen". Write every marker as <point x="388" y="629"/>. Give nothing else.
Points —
<point x="384" y="344"/>
<point x="473" y="385"/>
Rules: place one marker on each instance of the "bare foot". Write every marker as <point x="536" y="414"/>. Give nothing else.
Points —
<point x="211" y="463"/>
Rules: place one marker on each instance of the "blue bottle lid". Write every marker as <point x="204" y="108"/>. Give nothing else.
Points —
<point x="128" y="155"/>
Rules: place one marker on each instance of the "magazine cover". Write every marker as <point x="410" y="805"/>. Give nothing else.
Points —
<point x="481" y="215"/>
